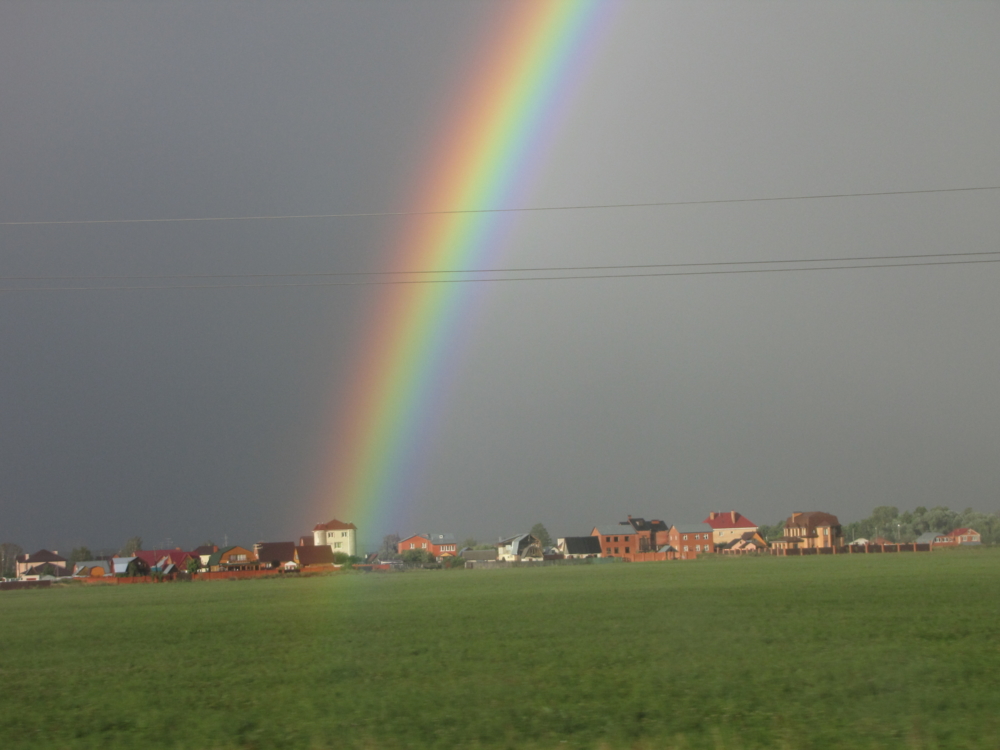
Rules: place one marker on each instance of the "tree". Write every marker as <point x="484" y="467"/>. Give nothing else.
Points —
<point x="542" y="534"/>
<point x="417" y="557"/>
<point x="194" y="565"/>
<point x="470" y="543"/>
<point x="9" y="553"/>
<point x="79" y="555"/>
<point x="132" y="546"/>
<point x="389" y="550"/>
<point x="771" y="532"/>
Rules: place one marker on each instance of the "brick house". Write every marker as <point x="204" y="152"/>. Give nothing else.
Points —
<point x="314" y="556"/>
<point x="729" y="526"/>
<point x="439" y="545"/>
<point x="691" y="540"/>
<point x="652" y="534"/>
<point x="965" y="536"/>
<point x="274" y="555"/>
<point x="337" y="535"/>
<point x="36" y="563"/>
<point x="812" y="530"/>
<point x="617" y="540"/>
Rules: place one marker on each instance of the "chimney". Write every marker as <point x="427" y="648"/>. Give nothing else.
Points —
<point x="732" y="515"/>
<point x="712" y="515"/>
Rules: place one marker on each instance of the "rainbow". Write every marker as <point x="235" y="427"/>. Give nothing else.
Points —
<point x="488" y="155"/>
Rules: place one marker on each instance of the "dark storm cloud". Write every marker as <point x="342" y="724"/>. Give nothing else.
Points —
<point x="191" y="414"/>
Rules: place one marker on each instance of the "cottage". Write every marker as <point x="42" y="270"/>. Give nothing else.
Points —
<point x="965" y="536"/>
<point x="728" y="526"/>
<point x="41" y="563"/>
<point x="315" y="555"/>
<point x="232" y="558"/>
<point x="691" y="540"/>
<point x="812" y="530"/>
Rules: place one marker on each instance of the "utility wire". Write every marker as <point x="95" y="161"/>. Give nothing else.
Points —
<point x="583" y="207"/>
<point x="540" y="269"/>
<point x="494" y="280"/>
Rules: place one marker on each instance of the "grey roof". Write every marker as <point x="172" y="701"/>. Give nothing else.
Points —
<point x="693" y="528"/>
<point x="666" y="548"/>
<point x="615" y="528"/>
<point x="121" y="564"/>
<point x="929" y="537"/>
<point x="442" y="538"/>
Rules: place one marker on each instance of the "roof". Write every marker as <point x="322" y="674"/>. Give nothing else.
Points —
<point x="615" y="528"/>
<point x="926" y="538"/>
<point x="666" y="548"/>
<point x="276" y="551"/>
<point x="216" y="557"/>
<point x="729" y="519"/>
<point x="692" y="528"/>
<point x="206" y="549"/>
<point x="582" y="545"/>
<point x="42" y="556"/>
<point x="962" y="532"/>
<point x="153" y="557"/>
<point x="321" y="555"/>
<point x="641" y="524"/>
<point x="334" y="525"/>
<point x="811" y="519"/>
<point x="442" y="538"/>
<point x="121" y="563"/>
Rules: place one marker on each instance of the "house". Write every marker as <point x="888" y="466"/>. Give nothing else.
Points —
<point x="520" y="547"/>
<point x="812" y="530"/>
<point x="40" y="562"/>
<point x="691" y="540"/>
<point x="728" y="526"/>
<point x="575" y="547"/>
<point x="93" y="569"/>
<point x="204" y="553"/>
<point x="337" y="535"/>
<point x="439" y="545"/>
<point x="232" y="558"/>
<point x="274" y="555"/>
<point x="861" y="541"/>
<point x="935" y="539"/>
<point x="314" y="555"/>
<point x="651" y="534"/>
<point x="617" y="540"/>
<point x="965" y="536"/>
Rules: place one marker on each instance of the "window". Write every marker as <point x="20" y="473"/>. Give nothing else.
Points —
<point x="626" y="550"/>
<point x="626" y="539"/>
<point x="412" y="545"/>
<point x="616" y="550"/>
<point x="685" y="548"/>
<point x="607" y="539"/>
<point x="337" y="545"/>
<point x="616" y="539"/>
<point x="697" y="548"/>
<point x="343" y="533"/>
<point x="423" y="545"/>
<point x="826" y="532"/>
<point x="685" y="539"/>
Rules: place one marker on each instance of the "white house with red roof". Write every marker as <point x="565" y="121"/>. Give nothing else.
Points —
<point x="728" y="526"/>
<point x="337" y="535"/>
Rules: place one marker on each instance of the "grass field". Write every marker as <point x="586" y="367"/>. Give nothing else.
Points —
<point x="862" y="652"/>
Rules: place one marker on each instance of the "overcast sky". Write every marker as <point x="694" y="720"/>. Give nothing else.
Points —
<point x="182" y="415"/>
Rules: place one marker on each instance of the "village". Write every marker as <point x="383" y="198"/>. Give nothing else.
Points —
<point x="333" y="546"/>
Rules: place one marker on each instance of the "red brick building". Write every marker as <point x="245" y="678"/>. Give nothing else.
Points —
<point x="617" y="540"/>
<point x="439" y="545"/>
<point x="691" y="540"/>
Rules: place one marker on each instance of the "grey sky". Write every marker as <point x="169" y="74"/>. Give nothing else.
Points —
<point x="190" y="414"/>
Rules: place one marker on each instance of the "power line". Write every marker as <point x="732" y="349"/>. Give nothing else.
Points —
<point x="538" y="269"/>
<point x="527" y="209"/>
<point x="495" y="280"/>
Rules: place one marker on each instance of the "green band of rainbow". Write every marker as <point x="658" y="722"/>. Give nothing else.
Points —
<point x="488" y="156"/>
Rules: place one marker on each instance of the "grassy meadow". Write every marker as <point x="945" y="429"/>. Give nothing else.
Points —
<point x="875" y="651"/>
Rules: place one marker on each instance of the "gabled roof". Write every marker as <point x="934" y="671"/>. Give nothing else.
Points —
<point x="964" y="531"/>
<point x="86" y="565"/>
<point x="121" y="564"/>
<point x="811" y="519"/>
<point x="334" y="525"/>
<point x="217" y="555"/>
<point x="206" y="549"/>
<point x="321" y="555"/>
<point x="42" y="556"/>
<point x="692" y="528"/>
<point x="729" y="519"/>
<point x="926" y="538"/>
<point x="582" y="545"/>
<point x="281" y="552"/>
<point x="154" y="557"/>
<point x="641" y="524"/>
<point x="614" y="528"/>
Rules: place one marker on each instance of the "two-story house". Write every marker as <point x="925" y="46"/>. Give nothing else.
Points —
<point x="337" y="535"/>
<point x="729" y="526"/>
<point x="691" y="540"/>
<point x="811" y="530"/>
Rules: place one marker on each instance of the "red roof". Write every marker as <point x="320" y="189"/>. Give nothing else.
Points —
<point x="729" y="519"/>
<point x="153" y="556"/>
<point x="963" y="532"/>
<point x="314" y="555"/>
<point x="334" y="525"/>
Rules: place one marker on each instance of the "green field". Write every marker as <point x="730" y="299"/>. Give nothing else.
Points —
<point x="879" y="651"/>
